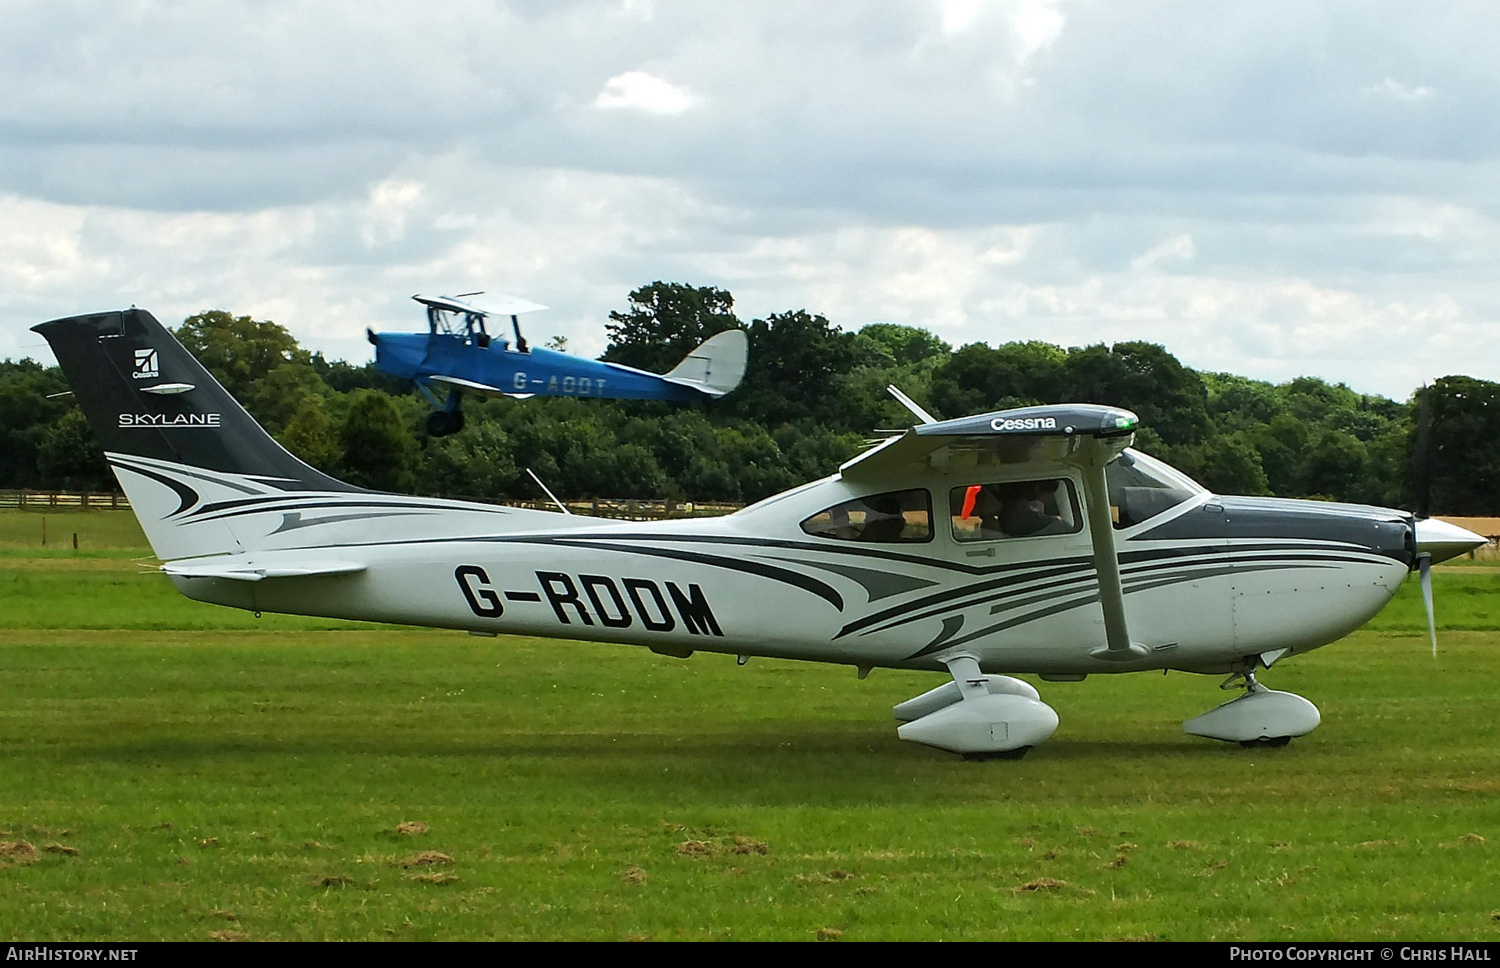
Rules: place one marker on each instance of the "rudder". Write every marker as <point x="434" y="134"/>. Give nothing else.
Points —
<point x="174" y="437"/>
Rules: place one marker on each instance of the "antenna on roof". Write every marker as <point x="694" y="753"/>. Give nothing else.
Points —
<point x="911" y="405"/>
<point x="560" y="505"/>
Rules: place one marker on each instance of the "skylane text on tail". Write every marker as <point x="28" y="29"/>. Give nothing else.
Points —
<point x="1023" y="541"/>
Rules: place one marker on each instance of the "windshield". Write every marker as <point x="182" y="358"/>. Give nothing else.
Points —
<point x="1141" y="487"/>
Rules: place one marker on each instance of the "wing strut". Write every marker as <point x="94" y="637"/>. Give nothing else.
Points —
<point x="1106" y="559"/>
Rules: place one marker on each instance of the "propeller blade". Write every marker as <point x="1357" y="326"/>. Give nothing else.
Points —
<point x="1424" y="564"/>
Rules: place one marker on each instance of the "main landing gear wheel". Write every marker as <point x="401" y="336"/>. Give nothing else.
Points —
<point x="1260" y="718"/>
<point x="441" y="423"/>
<point x="1014" y="754"/>
<point x="978" y="716"/>
<point x="1268" y="742"/>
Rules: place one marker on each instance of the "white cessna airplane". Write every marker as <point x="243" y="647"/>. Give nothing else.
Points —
<point x="1024" y="541"/>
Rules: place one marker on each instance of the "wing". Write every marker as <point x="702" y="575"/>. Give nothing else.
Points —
<point x="1084" y="436"/>
<point x="469" y="386"/>
<point x="500" y="305"/>
<point x="1008" y="436"/>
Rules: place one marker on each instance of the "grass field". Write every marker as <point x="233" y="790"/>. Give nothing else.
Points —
<point x="180" y="771"/>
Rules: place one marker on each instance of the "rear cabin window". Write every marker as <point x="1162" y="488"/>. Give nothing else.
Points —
<point x="895" y="516"/>
<point x="1014" y="509"/>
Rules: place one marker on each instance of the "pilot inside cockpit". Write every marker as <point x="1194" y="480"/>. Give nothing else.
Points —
<point x="1014" y="509"/>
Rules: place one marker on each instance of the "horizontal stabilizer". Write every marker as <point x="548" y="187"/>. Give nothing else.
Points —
<point x="716" y="367"/>
<point x="235" y="569"/>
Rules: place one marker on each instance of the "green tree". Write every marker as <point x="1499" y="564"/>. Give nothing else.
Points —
<point x="1231" y="465"/>
<point x="274" y="398"/>
<point x="69" y="457"/>
<point x="26" y="415"/>
<point x="665" y="322"/>
<point x="1334" y="465"/>
<point x="1169" y="398"/>
<point x="238" y="350"/>
<point x="1282" y="445"/>
<point x="1240" y="403"/>
<point x="905" y="345"/>
<point x="1465" y="445"/>
<point x="378" y="446"/>
<point x="978" y="378"/>
<point x="311" y="435"/>
<point x="795" y="360"/>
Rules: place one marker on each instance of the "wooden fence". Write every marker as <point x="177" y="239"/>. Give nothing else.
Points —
<point x="63" y="500"/>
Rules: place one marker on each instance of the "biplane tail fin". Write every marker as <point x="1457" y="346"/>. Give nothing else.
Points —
<point x="716" y="367"/>
<point x="175" y="438"/>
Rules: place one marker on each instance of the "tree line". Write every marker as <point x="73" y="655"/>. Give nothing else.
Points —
<point x="813" y="396"/>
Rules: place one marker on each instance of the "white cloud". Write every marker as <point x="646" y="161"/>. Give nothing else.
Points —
<point x="1391" y="87"/>
<point x="959" y="15"/>
<point x="1228" y="181"/>
<point x="391" y="202"/>
<point x="1037" y="25"/>
<point x="639" y="91"/>
<point x="1181" y="248"/>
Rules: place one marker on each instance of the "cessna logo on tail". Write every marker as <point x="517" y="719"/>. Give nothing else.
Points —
<point x="146" y="365"/>
<point x="1024" y="423"/>
<point x="186" y="421"/>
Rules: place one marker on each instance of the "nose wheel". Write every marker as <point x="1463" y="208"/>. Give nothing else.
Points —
<point x="1260" y="718"/>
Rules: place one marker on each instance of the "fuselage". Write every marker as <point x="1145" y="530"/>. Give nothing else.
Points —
<point x="1208" y="581"/>
<point x="504" y="369"/>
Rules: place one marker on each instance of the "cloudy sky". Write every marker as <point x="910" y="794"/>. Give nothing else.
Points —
<point x="1268" y="188"/>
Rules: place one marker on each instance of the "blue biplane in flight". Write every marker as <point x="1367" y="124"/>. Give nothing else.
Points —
<point x="459" y="355"/>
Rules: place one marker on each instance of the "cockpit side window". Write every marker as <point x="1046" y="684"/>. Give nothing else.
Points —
<point x="895" y="516"/>
<point x="1014" y="509"/>
<point x="1141" y="487"/>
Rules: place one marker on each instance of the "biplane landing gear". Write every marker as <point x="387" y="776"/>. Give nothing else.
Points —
<point x="1260" y="718"/>
<point x="448" y="420"/>
<point x="441" y="423"/>
<point x="982" y="717"/>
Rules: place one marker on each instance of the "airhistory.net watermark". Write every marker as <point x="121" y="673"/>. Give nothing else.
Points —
<point x="67" y="952"/>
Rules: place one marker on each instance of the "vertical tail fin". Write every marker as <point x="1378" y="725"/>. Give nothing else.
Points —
<point x="714" y="368"/>
<point x="176" y="439"/>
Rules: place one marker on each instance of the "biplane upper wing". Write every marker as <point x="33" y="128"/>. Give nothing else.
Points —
<point x="1079" y="435"/>
<point x="500" y="305"/>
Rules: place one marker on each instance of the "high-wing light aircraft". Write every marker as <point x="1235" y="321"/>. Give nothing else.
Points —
<point x="458" y="354"/>
<point x="1024" y="541"/>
